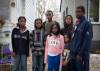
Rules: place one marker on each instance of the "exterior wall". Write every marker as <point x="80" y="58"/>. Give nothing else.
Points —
<point x="30" y="13"/>
<point x="4" y="8"/>
<point x="25" y="8"/>
<point x="96" y="32"/>
<point x="72" y="4"/>
<point x="68" y="6"/>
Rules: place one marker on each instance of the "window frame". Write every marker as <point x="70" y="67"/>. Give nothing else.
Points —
<point x="88" y="6"/>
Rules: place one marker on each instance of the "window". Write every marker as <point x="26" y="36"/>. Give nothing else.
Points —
<point x="93" y="12"/>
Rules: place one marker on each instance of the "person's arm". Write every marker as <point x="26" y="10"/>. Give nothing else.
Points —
<point x="32" y="41"/>
<point x="12" y="38"/>
<point x="44" y="25"/>
<point x="62" y="44"/>
<point x="27" y="47"/>
<point x="46" y="51"/>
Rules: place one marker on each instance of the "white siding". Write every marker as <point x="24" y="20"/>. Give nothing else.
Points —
<point x="70" y="4"/>
<point x="30" y="13"/>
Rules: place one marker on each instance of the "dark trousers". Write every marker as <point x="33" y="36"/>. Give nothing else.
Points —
<point x="81" y="66"/>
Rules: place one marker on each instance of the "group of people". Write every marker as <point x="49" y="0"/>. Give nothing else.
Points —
<point x="48" y="43"/>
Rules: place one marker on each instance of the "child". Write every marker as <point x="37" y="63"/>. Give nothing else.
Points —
<point x="65" y="61"/>
<point x="47" y="24"/>
<point x="37" y="46"/>
<point x="20" y="44"/>
<point x="54" y="48"/>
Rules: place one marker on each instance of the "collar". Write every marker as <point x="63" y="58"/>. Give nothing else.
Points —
<point x="23" y="31"/>
<point x="78" y="21"/>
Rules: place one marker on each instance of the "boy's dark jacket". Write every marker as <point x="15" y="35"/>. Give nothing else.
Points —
<point x="20" y="41"/>
<point x="81" y="41"/>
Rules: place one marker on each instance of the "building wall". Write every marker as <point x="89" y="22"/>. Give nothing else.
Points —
<point x="30" y="13"/>
<point x="96" y="32"/>
<point x="25" y="8"/>
<point x="68" y="6"/>
<point x="4" y="8"/>
<point x="72" y="4"/>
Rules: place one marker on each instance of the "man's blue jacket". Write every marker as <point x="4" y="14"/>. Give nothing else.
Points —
<point x="81" y="41"/>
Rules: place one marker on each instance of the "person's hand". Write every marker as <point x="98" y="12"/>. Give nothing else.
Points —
<point x="66" y="62"/>
<point x="79" y="58"/>
<point x="46" y="67"/>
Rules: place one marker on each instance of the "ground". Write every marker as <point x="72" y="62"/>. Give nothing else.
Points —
<point x="94" y="63"/>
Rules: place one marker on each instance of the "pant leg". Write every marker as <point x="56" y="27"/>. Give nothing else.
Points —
<point x="23" y="62"/>
<point x="57" y="63"/>
<point x="34" y="62"/>
<point x="73" y="65"/>
<point x="86" y="61"/>
<point x="40" y="62"/>
<point x="72" y="57"/>
<point x="16" y="63"/>
<point x="80" y="66"/>
<point x="50" y="63"/>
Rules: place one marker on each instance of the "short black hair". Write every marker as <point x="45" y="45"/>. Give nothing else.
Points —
<point x="38" y="19"/>
<point x="21" y="18"/>
<point x="82" y="8"/>
<point x="49" y="11"/>
<point x="58" y="27"/>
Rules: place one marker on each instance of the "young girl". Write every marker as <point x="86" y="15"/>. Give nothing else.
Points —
<point x="54" y="48"/>
<point x="20" y="44"/>
<point x="37" y="38"/>
<point x="65" y="60"/>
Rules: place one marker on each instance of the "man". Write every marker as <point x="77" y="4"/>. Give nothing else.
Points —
<point x="47" y="24"/>
<point x="81" y="42"/>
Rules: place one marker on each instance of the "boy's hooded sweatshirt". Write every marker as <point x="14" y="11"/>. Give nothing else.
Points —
<point x="54" y="46"/>
<point x="20" y="41"/>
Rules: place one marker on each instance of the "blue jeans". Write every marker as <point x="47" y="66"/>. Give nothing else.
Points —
<point x="53" y="63"/>
<point x="20" y="63"/>
<point x="37" y="62"/>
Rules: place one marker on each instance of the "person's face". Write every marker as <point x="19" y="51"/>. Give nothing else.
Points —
<point x="79" y="13"/>
<point x="55" y="29"/>
<point x="49" y="15"/>
<point x="66" y="38"/>
<point x="38" y="24"/>
<point x="22" y="22"/>
<point x="68" y="20"/>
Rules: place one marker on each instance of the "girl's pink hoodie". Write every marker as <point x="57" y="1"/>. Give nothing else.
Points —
<point x="54" y="46"/>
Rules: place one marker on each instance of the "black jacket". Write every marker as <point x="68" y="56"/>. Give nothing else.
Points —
<point x="20" y="42"/>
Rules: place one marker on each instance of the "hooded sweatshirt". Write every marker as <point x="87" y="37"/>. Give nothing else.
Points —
<point x="20" y="41"/>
